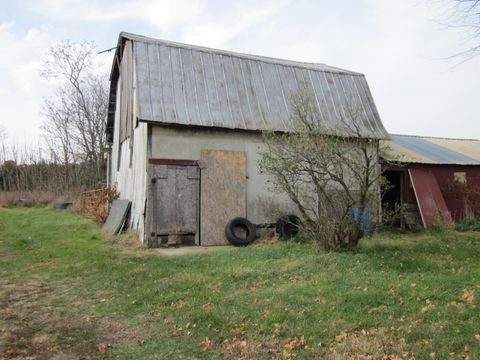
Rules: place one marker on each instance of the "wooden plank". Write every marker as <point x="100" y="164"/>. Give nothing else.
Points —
<point x="173" y="162"/>
<point x="431" y="203"/>
<point x="223" y="193"/>
<point x="176" y="202"/>
<point x="173" y="205"/>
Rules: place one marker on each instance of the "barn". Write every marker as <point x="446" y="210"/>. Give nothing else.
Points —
<point x="185" y="126"/>
<point x="437" y="179"/>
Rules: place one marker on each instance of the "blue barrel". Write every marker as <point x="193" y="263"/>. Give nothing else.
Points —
<point x="366" y="220"/>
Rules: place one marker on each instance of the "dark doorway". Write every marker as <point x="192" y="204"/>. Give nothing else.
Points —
<point x="392" y="191"/>
<point x="392" y="198"/>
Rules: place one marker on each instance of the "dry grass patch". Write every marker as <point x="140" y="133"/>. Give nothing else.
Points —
<point x="32" y="328"/>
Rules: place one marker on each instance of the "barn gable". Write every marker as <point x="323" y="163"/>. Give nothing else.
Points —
<point x="195" y="86"/>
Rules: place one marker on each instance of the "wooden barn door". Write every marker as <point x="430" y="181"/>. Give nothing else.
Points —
<point x="223" y="193"/>
<point x="173" y="204"/>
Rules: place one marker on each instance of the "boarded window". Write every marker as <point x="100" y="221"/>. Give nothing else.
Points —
<point x="223" y="190"/>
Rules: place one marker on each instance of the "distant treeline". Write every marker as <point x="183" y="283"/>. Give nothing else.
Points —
<point x="50" y="177"/>
<point x="71" y="154"/>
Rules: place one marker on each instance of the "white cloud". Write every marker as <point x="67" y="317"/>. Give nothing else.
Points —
<point x="21" y="88"/>
<point x="397" y="44"/>
<point x="218" y="31"/>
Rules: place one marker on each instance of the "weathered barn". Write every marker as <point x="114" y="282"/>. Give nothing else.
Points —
<point x="185" y="126"/>
<point x="438" y="177"/>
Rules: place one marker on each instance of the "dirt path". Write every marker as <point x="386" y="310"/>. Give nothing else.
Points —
<point x="32" y="328"/>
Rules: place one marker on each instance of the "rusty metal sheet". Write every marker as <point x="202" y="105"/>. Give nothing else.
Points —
<point x="431" y="203"/>
<point x="223" y="193"/>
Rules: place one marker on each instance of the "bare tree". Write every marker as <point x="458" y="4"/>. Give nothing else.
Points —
<point x="75" y="116"/>
<point x="465" y="14"/>
<point x="325" y="172"/>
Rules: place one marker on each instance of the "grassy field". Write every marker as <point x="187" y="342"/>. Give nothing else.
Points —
<point x="68" y="291"/>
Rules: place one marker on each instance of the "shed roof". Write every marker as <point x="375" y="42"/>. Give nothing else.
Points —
<point x="432" y="150"/>
<point x="191" y="85"/>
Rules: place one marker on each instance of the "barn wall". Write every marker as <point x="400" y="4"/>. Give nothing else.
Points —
<point x="263" y="206"/>
<point x="129" y="155"/>
<point x="187" y="143"/>
<point x="130" y="179"/>
<point x="443" y="174"/>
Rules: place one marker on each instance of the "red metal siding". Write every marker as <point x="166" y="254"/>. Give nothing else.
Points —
<point x="429" y="197"/>
<point x="444" y="175"/>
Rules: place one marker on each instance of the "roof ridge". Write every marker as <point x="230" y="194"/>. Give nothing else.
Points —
<point x="434" y="137"/>
<point x="271" y="60"/>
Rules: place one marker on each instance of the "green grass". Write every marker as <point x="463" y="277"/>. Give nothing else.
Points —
<point x="405" y="295"/>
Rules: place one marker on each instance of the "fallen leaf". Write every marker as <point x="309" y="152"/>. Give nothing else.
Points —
<point x="177" y="331"/>
<point x="340" y="337"/>
<point x="294" y="279"/>
<point x="423" y="342"/>
<point x="9" y="351"/>
<point x="208" y="307"/>
<point x="206" y="344"/>
<point x="104" y="347"/>
<point x="468" y="295"/>
<point x="295" y="343"/>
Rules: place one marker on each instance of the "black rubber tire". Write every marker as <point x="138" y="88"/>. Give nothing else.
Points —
<point x="61" y="206"/>
<point x="236" y="240"/>
<point x="288" y="226"/>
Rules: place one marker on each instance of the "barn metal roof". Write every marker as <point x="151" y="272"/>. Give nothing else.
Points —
<point x="191" y="85"/>
<point x="431" y="150"/>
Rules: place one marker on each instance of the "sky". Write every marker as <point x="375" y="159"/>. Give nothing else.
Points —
<point x="403" y="48"/>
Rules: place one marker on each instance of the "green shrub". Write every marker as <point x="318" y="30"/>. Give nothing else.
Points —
<point x="469" y="224"/>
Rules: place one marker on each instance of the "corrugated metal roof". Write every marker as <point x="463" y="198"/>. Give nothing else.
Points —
<point x="430" y="150"/>
<point x="192" y="85"/>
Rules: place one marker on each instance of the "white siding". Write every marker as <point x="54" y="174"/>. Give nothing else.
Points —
<point x="129" y="179"/>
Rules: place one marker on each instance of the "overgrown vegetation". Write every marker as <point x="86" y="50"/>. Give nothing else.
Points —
<point x="466" y="192"/>
<point x="468" y="224"/>
<point x="326" y="172"/>
<point x="397" y="296"/>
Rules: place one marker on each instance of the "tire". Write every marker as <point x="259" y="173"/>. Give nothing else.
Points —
<point x="61" y="206"/>
<point x="288" y="226"/>
<point x="234" y="237"/>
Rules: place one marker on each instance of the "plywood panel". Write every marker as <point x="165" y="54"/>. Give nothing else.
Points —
<point x="223" y="193"/>
<point x="429" y="197"/>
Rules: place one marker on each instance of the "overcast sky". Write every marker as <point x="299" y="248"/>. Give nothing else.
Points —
<point x="400" y="46"/>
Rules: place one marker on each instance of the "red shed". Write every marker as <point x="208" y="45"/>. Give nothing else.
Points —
<point x="434" y="179"/>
